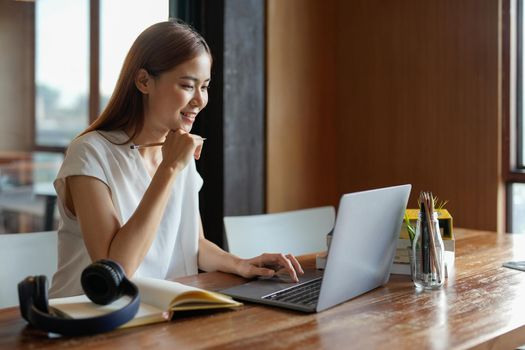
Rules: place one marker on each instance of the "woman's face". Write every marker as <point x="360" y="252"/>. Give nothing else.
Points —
<point x="176" y="97"/>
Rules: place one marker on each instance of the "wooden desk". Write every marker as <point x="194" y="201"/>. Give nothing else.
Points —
<point x="481" y="306"/>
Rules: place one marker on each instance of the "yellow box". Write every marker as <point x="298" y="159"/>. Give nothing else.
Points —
<point x="444" y="219"/>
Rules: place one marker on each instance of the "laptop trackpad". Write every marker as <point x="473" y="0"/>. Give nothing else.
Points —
<point x="264" y="286"/>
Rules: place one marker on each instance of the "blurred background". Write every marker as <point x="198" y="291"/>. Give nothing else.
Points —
<point x="309" y="100"/>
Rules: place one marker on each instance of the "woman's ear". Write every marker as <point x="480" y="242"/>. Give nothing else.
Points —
<point x="143" y="81"/>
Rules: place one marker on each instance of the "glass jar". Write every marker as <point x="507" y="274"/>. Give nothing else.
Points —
<point x="428" y="264"/>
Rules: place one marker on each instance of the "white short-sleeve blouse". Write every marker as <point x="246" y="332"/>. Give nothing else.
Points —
<point x="102" y="155"/>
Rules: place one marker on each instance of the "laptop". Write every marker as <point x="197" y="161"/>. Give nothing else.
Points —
<point x="360" y="257"/>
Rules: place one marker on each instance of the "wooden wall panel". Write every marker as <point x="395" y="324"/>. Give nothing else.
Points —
<point x="300" y="104"/>
<point x="17" y="75"/>
<point x="418" y="101"/>
<point x="408" y="91"/>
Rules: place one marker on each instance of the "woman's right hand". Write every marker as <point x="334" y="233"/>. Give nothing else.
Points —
<point x="268" y="265"/>
<point x="178" y="149"/>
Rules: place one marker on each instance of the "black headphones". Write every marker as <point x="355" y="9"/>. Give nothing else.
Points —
<point x="103" y="281"/>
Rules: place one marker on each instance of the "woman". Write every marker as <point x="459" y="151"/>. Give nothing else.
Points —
<point x="139" y="207"/>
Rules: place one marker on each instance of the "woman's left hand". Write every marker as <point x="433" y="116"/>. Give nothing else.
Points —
<point x="268" y="265"/>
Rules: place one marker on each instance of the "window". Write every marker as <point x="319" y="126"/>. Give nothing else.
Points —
<point x="518" y="207"/>
<point x="65" y="55"/>
<point x="118" y="32"/>
<point x="514" y="113"/>
<point x="61" y="70"/>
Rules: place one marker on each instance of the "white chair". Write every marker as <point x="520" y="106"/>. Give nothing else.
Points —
<point x="297" y="232"/>
<point x="22" y="255"/>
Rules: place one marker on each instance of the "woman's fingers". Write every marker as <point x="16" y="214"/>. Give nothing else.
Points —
<point x="268" y="265"/>
<point x="282" y="262"/>
<point x="198" y="149"/>
<point x="295" y="263"/>
<point x="179" y="147"/>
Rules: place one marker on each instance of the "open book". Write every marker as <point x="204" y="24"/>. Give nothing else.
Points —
<point x="159" y="300"/>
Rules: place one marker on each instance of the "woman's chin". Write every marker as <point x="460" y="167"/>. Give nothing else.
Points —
<point x="186" y="126"/>
<point x="183" y="126"/>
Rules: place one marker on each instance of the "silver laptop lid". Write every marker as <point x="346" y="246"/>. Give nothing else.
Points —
<point x="363" y="244"/>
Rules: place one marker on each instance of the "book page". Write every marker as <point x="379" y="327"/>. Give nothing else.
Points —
<point x="165" y="294"/>
<point x="158" y="292"/>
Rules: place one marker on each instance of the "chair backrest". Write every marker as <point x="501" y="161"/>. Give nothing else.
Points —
<point x="22" y="255"/>
<point x="297" y="232"/>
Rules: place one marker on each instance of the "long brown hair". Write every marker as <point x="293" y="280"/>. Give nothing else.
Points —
<point x="158" y="49"/>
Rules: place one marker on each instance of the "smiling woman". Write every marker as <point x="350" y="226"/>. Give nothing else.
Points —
<point x="141" y="207"/>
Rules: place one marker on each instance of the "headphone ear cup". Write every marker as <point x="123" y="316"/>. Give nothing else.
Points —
<point x="25" y="295"/>
<point x="40" y="294"/>
<point x="102" y="280"/>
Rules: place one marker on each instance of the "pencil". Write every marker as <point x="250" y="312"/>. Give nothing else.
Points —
<point x="152" y="144"/>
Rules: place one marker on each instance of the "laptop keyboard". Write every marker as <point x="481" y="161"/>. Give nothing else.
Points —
<point x="305" y="294"/>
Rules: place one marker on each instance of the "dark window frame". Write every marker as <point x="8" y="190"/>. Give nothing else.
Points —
<point x="518" y="165"/>
<point x="233" y="164"/>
